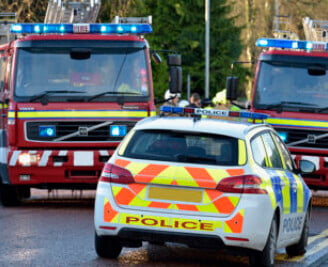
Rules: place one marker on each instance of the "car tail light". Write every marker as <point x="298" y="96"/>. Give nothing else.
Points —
<point x="244" y="184"/>
<point x="114" y="174"/>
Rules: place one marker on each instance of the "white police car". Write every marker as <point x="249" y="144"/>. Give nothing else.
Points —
<point x="206" y="183"/>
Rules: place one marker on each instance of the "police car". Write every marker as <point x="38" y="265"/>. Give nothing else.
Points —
<point x="209" y="183"/>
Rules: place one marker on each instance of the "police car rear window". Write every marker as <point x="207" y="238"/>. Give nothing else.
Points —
<point x="199" y="148"/>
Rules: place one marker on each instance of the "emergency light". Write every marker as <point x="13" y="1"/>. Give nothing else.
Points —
<point x="291" y="44"/>
<point x="102" y="28"/>
<point x="118" y="130"/>
<point x="47" y="131"/>
<point x="214" y="112"/>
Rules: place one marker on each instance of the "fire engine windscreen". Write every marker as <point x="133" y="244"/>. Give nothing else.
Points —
<point x="292" y="86"/>
<point x="67" y="74"/>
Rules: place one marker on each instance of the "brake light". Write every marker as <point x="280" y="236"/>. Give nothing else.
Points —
<point x="244" y="184"/>
<point x="114" y="174"/>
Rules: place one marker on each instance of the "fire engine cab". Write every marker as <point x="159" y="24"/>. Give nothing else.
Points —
<point x="70" y="90"/>
<point x="291" y="85"/>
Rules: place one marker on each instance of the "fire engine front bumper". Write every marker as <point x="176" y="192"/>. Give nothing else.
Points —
<point x="60" y="168"/>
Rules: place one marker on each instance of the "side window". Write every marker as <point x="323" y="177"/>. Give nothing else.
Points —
<point x="285" y="153"/>
<point x="272" y="151"/>
<point x="258" y="151"/>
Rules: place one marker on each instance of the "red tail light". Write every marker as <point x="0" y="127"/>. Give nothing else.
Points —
<point x="114" y="174"/>
<point x="244" y="184"/>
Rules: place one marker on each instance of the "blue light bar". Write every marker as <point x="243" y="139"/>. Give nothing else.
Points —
<point x="214" y="112"/>
<point x="291" y="44"/>
<point x="39" y="28"/>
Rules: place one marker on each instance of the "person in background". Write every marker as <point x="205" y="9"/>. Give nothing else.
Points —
<point x="171" y="99"/>
<point x="220" y="101"/>
<point x="194" y="101"/>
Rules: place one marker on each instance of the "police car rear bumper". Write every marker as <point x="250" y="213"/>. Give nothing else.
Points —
<point x="192" y="240"/>
<point x="241" y="229"/>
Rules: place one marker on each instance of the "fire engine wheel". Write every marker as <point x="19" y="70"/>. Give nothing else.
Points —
<point x="266" y="256"/>
<point x="107" y="246"/>
<point x="10" y="195"/>
<point x="300" y="247"/>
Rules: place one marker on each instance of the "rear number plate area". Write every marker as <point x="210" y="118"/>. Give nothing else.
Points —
<point x="175" y="194"/>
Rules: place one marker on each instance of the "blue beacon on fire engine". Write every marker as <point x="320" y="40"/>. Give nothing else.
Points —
<point x="291" y="44"/>
<point x="102" y="28"/>
<point x="118" y="130"/>
<point x="47" y="131"/>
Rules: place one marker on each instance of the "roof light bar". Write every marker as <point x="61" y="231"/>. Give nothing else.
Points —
<point x="291" y="44"/>
<point x="214" y="112"/>
<point x="103" y="28"/>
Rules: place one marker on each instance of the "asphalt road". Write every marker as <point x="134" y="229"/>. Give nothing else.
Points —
<point x="57" y="230"/>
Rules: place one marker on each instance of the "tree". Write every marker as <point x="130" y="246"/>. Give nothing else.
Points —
<point x="179" y="25"/>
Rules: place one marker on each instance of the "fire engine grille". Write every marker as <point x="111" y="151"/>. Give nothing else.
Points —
<point x="305" y="138"/>
<point x="76" y="131"/>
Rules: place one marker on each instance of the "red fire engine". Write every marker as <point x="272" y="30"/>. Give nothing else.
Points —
<point x="291" y="85"/>
<point x="69" y="93"/>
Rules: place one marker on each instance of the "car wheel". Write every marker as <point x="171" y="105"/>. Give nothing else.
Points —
<point x="9" y="196"/>
<point x="107" y="246"/>
<point x="266" y="256"/>
<point x="300" y="247"/>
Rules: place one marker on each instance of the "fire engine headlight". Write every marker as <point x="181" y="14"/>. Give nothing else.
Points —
<point x="47" y="131"/>
<point x="117" y="130"/>
<point x="26" y="159"/>
<point x="283" y="136"/>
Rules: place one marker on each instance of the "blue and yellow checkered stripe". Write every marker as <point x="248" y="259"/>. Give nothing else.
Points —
<point x="80" y="114"/>
<point x="291" y="200"/>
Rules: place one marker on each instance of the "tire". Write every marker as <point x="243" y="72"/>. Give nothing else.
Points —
<point x="9" y="196"/>
<point x="266" y="256"/>
<point x="299" y="248"/>
<point x="107" y="246"/>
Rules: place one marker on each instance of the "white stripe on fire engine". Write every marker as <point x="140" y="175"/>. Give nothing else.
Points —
<point x="315" y="160"/>
<point x="45" y="158"/>
<point x="61" y="153"/>
<point x="3" y="155"/>
<point x="83" y="158"/>
<point x="14" y="157"/>
<point x="103" y="153"/>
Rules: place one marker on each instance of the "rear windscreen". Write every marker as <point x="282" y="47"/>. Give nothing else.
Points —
<point x="186" y="147"/>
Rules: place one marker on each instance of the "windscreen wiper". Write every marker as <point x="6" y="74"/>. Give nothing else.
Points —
<point x="322" y="109"/>
<point x="285" y="104"/>
<point x="45" y="93"/>
<point x="112" y="93"/>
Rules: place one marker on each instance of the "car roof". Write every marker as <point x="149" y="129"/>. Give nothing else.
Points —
<point x="237" y="129"/>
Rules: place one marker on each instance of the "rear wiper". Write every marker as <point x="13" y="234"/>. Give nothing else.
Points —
<point x="112" y="93"/>
<point x="45" y="93"/>
<point x="195" y="159"/>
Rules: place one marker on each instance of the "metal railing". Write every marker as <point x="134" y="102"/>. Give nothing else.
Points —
<point x="315" y="30"/>
<point x="78" y="11"/>
<point x="6" y="19"/>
